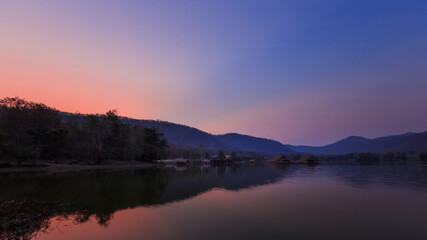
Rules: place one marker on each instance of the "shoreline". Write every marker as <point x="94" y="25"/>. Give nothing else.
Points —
<point x="44" y="167"/>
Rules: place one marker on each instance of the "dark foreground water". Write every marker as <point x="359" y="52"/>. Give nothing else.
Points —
<point x="237" y="202"/>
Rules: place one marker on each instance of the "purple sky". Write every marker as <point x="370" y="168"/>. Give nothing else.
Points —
<point x="300" y="72"/>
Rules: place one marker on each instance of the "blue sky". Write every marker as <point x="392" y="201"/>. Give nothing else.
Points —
<point x="301" y="72"/>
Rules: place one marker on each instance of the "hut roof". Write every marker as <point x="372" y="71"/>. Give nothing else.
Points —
<point x="307" y="158"/>
<point x="277" y="158"/>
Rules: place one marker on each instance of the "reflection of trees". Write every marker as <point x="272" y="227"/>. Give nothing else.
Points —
<point x="195" y="181"/>
<point x="363" y="175"/>
<point x="28" y="218"/>
<point x="24" y="219"/>
<point x="80" y="195"/>
<point x="99" y="194"/>
<point x="221" y="170"/>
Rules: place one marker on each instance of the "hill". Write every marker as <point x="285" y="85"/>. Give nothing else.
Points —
<point x="402" y="143"/>
<point x="255" y="144"/>
<point x="190" y="137"/>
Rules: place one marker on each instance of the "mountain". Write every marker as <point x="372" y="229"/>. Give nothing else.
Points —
<point x="254" y="144"/>
<point x="182" y="135"/>
<point x="402" y="143"/>
<point x="190" y="137"/>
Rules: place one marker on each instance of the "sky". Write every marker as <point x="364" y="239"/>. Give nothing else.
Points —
<point x="301" y="72"/>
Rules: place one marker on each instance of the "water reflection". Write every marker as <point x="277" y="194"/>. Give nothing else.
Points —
<point x="412" y="176"/>
<point x="80" y="196"/>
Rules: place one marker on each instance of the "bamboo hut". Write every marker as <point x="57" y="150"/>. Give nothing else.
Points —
<point x="282" y="159"/>
<point x="307" y="159"/>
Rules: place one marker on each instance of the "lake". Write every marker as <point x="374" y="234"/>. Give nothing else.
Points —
<point x="232" y="202"/>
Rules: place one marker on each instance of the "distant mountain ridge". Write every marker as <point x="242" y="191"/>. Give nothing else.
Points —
<point x="256" y="144"/>
<point x="191" y="137"/>
<point x="403" y="143"/>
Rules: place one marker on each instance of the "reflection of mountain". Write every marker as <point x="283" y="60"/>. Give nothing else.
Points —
<point x="104" y="192"/>
<point x="194" y="181"/>
<point x="101" y="193"/>
<point x="412" y="176"/>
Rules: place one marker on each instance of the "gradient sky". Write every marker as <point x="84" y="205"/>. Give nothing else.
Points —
<point x="300" y="72"/>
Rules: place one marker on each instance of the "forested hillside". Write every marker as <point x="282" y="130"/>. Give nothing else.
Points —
<point x="409" y="142"/>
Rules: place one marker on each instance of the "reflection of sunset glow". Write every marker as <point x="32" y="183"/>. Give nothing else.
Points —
<point x="142" y="219"/>
<point x="279" y="210"/>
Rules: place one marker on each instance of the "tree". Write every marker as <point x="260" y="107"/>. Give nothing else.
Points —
<point x="117" y="136"/>
<point x="75" y="143"/>
<point x="154" y="144"/>
<point x="389" y="155"/>
<point x="221" y="155"/>
<point x="234" y="157"/>
<point x="368" y="158"/>
<point x="49" y="143"/>
<point x="31" y="130"/>
<point x="111" y="115"/>
<point x="17" y="114"/>
<point x="29" y="126"/>
<point x="95" y="134"/>
<point x="3" y="144"/>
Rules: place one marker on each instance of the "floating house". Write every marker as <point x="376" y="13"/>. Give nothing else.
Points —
<point x="282" y="159"/>
<point x="216" y="160"/>
<point x="206" y="161"/>
<point x="177" y="161"/>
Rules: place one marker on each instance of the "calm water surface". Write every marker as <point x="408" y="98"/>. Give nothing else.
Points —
<point x="236" y="202"/>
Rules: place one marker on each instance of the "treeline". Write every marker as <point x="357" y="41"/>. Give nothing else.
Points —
<point x="32" y="131"/>
<point x="200" y="152"/>
<point x="374" y="158"/>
